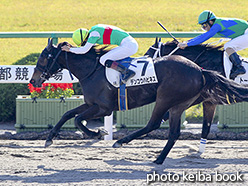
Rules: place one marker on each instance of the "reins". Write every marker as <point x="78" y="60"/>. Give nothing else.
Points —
<point x="174" y="50"/>
<point x="67" y="65"/>
<point x="215" y="43"/>
<point x="68" y="68"/>
<point x="93" y="69"/>
<point x="158" y="50"/>
<point x="54" y="60"/>
<point x="199" y="55"/>
<point x="48" y="68"/>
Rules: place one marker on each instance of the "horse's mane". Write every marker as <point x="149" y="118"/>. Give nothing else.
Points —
<point x="200" y="47"/>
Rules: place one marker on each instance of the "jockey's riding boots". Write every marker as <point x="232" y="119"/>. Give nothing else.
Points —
<point x="125" y="72"/>
<point x="237" y="68"/>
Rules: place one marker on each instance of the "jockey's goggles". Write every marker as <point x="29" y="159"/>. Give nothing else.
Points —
<point x="204" y="26"/>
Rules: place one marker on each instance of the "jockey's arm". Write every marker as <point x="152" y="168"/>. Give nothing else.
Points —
<point x="93" y="37"/>
<point x="82" y="50"/>
<point x="205" y="36"/>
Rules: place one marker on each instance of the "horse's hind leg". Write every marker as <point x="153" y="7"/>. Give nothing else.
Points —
<point x="154" y="123"/>
<point x="208" y="115"/>
<point x="166" y="116"/>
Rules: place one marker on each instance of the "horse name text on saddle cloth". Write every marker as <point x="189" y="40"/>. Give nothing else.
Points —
<point x="144" y="69"/>
<point x="241" y="79"/>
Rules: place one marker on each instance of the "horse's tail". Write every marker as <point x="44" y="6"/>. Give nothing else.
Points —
<point x="221" y="90"/>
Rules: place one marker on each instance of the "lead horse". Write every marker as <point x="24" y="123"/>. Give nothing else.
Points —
<point x="175" y="91"/>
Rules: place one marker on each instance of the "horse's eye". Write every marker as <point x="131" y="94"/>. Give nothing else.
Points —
<point x="43" y="55"/>
<point x="49" y="56"/>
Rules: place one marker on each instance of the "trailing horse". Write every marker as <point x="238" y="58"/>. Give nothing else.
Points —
<point x="207" y="56"/>
<point x="175" y="91"/>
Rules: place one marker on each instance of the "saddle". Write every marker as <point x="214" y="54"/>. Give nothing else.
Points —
<point x="145" y="74"/>
<point x="142" y="66"/>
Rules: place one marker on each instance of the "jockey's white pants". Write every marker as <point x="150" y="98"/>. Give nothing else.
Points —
<point x="128" y="47"/>
<point x="238" y="43"/>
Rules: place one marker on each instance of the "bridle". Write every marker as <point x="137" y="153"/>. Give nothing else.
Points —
<point x="46" y="71"/>
<point x="158" y="52"/>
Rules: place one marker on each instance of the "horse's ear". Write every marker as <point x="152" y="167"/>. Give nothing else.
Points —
<point x="156" y="42"/>
<point x="159" y="39"/>
<point x="174" y="42"/>
<point x="49" y="44"/>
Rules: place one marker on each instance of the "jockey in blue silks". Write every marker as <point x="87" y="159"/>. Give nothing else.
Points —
<point x="235" y="29"/>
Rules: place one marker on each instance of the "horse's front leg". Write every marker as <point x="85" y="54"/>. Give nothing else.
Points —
<point x="91" y="112"/>
<point x="154" y="123"/>
<point x="174" y="133"/>
<point x="68" y="115"/>
<point x="208" y="115"/>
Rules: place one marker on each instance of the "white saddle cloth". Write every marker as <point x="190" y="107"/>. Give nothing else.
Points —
<point x="145" y="73"/>
<point x="241" y="79"/>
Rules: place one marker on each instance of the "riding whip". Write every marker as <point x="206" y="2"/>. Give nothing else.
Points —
<point x="168" y="31"/>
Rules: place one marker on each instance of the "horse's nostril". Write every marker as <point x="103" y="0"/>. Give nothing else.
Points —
<point x="32" y="81"/>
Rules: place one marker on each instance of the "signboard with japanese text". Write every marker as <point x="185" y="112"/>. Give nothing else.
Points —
<point x="23" y="74"/>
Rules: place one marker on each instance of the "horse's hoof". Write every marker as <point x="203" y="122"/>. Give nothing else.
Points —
<point x="200" y="152"/>
<point x="48" y="143"/>
<point x="158" y="162"/>
<point x="103" y="132"/>
<point x="116" y="145"/>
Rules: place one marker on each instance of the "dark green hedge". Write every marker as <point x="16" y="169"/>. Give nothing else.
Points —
<point x="9" y="92"/>
<point x="8" y="95"/>
<point x="30" y="59"/>
<point x="77" y="89"/>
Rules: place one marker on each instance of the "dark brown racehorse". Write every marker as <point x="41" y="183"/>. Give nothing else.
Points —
<point x="180" y="83"/>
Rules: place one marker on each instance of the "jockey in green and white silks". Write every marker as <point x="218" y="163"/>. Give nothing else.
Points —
<point x="107" y="35"/>
<point x="235" y="29"/>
